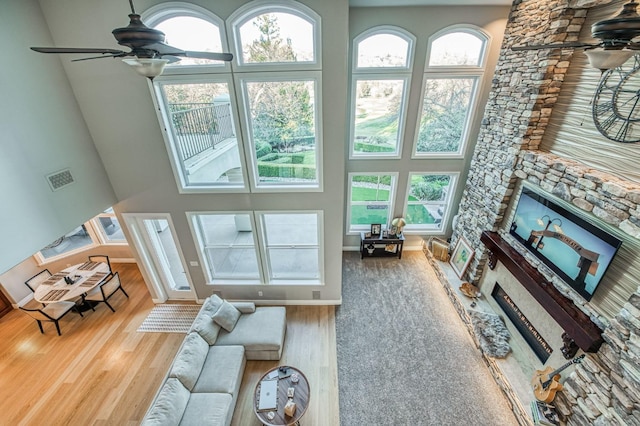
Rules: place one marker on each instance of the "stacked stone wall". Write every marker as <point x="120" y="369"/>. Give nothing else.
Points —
<point x="605" y="389"/>
<point x="525" y="88"/>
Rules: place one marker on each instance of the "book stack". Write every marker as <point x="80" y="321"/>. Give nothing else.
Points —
<point x="544" y="414"/>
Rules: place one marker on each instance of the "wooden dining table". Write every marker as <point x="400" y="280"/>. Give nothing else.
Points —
<point x="85" y="276"/>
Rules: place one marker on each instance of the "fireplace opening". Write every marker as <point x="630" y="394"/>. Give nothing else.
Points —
<point x="539" y="346"/>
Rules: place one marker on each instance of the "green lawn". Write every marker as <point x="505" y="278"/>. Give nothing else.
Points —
<point x="361" y="215"/>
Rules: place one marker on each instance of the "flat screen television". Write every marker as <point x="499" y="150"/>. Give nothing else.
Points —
<point x="576" y="250"/>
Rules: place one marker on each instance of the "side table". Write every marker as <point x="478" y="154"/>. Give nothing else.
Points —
<point x="368" y="245"/>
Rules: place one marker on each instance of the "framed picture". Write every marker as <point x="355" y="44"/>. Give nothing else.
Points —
<point x="461" y="257"/>
<point x="376" y="228"/>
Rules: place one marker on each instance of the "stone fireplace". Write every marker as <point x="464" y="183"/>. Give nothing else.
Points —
<point x="602" y="181"/>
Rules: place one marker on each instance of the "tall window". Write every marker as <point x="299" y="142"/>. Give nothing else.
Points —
<point x="277" y="47"/>
<point x="429" y="200"/>
<point x="200" y="127"/>
<point x="260" y="247"/>
<point x="371" y="198"/>
<point x="455" y="65"/>
<point x="380" y="80"/>
<point x="259" y="131"/>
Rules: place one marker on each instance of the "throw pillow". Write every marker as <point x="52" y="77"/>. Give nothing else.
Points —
<point x="227" y="316"/>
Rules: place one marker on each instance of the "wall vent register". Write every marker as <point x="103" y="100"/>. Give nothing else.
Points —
<point x="60" y="179"/>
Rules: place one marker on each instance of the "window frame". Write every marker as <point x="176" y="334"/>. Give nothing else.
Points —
<point x="356" y="229"/>
<point x="264" y="249"/>
<point x="93" y="236"/>
<point x="469" y="119"/>
<point x="167" y="133"/>
<point x="164" y="11"/>
<point x="381" y="73"/>
<point x="99" y="229"/>
<point x="260" y="246"/>
<point x="259" y="7"/>
<point x="196" y="231"/>
<point x="453" y="71"/>
<point x="245" y="119"/>
<point x="414" y="229"/>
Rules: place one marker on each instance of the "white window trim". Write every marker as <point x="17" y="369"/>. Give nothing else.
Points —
<point x="164" y="11"/>
<point x="381" y="73"/>
<point x="384" y="29"/>
<point x="102" y="238"/>
<point x="356" y="229"/>
<point x="353" y="155"/>
<point x="413" y="229"/>
<point x="471" y="116"/>
<point x="266" y="264"/>
<point x="241" y="94"/>
<point x="192" y="219"/>
<point x="458" y="71"/>
<point x="258" y="7"/>
<point x="460" y="28"/>
<point x="174" y="157"/>
<point x="95" y="242"/>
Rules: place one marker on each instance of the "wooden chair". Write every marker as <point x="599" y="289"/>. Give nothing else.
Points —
<point x="101" y="258"/>
<point x="104" y="291"/>
<point x="51" y="312"/>
<point x="37" y="279"/>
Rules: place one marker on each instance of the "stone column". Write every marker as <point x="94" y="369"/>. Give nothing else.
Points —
<point x="524" y="90"/>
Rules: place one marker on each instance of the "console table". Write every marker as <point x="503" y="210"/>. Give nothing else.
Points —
<point x="367" y="242"/>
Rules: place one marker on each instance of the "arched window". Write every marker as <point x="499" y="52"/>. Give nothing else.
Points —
<point x="455" y="65"/>
<point x="283" y="32"/>
<point x="380" y="79"/>
<point x="188" y="27"/>
<point x="277" y="55"/>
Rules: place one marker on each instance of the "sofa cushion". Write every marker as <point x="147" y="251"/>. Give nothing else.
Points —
<point x="222" y="370"/>
<point x="190" y="360"/>
<point x="169" y="405"/>
<point x="203" y="324"/>
<point x="227" y="316"/>
<point x="208" y="409"/>
<point x="263" y="330"/>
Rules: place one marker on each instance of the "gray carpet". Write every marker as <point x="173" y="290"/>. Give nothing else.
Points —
<point x="404" y="357"/>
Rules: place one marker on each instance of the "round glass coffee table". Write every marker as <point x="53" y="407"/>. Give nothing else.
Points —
<point x="286" y="380"/>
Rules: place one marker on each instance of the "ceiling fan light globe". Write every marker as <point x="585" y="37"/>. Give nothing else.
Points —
<point x="147" y="67"/>
<point x="606" y="59"/>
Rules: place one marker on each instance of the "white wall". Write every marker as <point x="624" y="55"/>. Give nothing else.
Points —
<point x="41" y="131"/>
<point x="118" y="109"/>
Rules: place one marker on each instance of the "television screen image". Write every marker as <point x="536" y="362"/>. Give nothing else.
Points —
<point x="573" y="248"/>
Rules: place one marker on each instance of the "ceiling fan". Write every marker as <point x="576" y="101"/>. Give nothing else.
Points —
<point x="617" y="37"/>
<point x="147" y="47"/>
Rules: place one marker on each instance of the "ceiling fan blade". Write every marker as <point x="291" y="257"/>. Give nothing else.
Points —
<point x="209" y="55"/>
<point x="113" y="55"/>
<point x="164" y="49"/>
<point x="570" y="45"/>
<point x="76" y="50"/>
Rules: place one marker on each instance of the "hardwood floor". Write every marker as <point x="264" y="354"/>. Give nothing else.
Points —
<point x="101" y="371"/>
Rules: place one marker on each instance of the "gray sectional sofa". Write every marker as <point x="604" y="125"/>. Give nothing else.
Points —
<point x="202" y="385"/>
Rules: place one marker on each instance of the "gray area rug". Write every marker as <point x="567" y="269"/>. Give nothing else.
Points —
<point x="404" y="356"/>
<point x="169" y="318"/>
<point x="491" y="333"/>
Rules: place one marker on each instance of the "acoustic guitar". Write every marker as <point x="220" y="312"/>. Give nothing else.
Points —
<point x="546" y="382"/>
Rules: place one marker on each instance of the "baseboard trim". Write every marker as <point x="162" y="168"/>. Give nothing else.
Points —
<point x="261" y="302"/>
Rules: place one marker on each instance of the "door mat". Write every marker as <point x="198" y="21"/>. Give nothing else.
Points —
<point x="169" y="318"/>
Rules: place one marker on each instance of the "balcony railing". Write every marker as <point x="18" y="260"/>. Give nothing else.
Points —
<point x="198" y="127"/>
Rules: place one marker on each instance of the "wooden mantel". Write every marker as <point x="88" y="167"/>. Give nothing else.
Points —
<point x="575" y="323"/>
